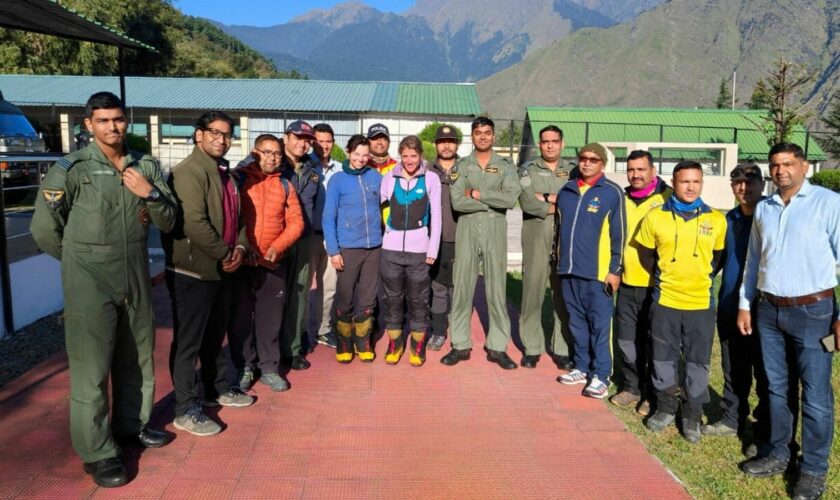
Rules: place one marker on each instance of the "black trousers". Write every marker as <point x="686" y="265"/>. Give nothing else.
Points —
<point x="686" y="335"/>
<point x="259" y="298"/>
<point x="741" y="361"/>
<point x="406" y="283"/>
<point x="357" y="284"/>
<point x="200" y="312"/>
<point x="632" y="324"/>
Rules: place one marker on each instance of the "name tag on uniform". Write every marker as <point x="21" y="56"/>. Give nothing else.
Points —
<point x="561" y="174"/>
<point x="104" y="172"/>
<point x="491" y="170"/>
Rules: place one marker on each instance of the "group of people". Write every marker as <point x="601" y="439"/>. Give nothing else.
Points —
<point x="396" y="245"/>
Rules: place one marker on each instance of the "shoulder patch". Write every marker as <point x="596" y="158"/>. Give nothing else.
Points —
<point x="523" y="172"/>
<point x="65" y="163"/>
<point x="453" y="173"/>
<point x="54" y="198"/>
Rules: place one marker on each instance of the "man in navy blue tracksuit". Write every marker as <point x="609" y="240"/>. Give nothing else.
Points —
<point x="593" y="226"/>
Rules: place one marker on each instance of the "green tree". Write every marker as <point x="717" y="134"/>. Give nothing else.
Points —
<point x="781" y="90"/>
<point x="830" y="142"/>
<point x="508" y="134"/>
<point x="724" y="99"/>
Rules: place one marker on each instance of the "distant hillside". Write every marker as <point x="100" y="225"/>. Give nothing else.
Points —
<point x="187" y="46"/>
<point x="666" y="57"/>
<point x="436" y="40"/>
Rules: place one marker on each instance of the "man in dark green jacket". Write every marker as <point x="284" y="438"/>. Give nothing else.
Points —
<point x="93" y="213"/>
<point x="207" y="245"/>
<point x="541" y="180"/>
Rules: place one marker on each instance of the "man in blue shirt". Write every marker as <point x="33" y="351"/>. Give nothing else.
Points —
<point x="791" y="271"/>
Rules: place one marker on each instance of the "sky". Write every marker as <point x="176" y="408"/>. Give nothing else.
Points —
<point x="270" y="12"/>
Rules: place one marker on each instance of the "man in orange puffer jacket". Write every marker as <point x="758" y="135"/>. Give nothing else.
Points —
<point x="273" y="220"/>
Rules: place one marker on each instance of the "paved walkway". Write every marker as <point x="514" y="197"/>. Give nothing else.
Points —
<point x="350" y="431"/>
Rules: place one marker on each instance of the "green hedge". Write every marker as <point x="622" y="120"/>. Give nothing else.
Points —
<point x="829" y="179"/>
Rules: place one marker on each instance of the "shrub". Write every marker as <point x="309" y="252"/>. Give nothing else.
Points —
<point x="338" y="154"/>
<point x="138" y="143"/>
<point x="428" y="133"/>
<point x="829" y="179"/>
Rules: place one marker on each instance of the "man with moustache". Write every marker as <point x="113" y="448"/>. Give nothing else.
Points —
<point x="485" y="186"/>
<point x="446" y="146"/>
<point x="541" y="180"/>
<point x="646" y="191"/>
<point x="685" y="238"/>
<point x="300" y="169"/>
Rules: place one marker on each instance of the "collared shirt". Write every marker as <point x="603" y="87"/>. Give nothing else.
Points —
<point x="685" y="246"/>
<point x="793" y="249"/>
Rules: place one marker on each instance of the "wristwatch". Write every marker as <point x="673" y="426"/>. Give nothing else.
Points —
<point x="545" y="197"/>
<point x="154" y="195"/>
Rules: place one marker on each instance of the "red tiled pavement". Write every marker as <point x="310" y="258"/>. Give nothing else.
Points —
<point x="350" y="431"/>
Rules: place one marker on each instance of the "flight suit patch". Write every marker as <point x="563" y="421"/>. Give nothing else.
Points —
<point x="54" y="198"/>
<point x="453" y="173"/>
<point x="145" y="216"/>
<point x="561" y="174"/>
<point x="491" y="170"/>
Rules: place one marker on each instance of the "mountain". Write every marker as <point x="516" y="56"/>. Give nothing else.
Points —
<point x="435" y="40"/>
<point x="186" y="46"/>
<point x="619" y="10"/>
<point x="667" y="57"/>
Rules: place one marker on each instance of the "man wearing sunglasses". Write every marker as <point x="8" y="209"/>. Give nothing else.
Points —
<point x="593" y="226"/>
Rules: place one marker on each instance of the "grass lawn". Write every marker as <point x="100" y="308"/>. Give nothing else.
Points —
<point x="709" y="469"/>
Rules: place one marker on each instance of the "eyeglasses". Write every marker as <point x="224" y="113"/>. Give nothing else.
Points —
<point x="218" y="134"/>
<point x="265" y="152"/>
<point x="588" y="159"/>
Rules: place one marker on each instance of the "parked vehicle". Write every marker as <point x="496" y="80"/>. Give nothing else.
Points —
<point x="20" y="147"/>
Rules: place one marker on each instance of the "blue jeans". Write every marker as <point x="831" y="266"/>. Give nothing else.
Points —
<point x="800" y="327"/>
<point x="590" y="312"/>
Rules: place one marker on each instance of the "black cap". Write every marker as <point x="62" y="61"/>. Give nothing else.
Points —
<point x="378" y="129"/>
<point x="445" y="132"/>
<point x="746" y="173"/>
<point x="301" y="128"/>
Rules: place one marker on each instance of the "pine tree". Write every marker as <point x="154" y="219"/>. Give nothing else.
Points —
<point x="780" y="94"/>
<point x="830" y="142"/>
<point x="724" y="99"/>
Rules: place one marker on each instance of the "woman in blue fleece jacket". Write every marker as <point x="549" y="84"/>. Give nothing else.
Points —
<point x="352" y="225"/>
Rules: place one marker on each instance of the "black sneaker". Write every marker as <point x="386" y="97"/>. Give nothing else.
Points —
<point x="808" y="487"/>
<point x="328" y="339"/>
<point x="764" y="466"/>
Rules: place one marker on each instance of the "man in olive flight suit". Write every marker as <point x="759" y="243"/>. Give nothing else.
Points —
<point x="541" y="180"/>
<point x="484" y="187"/>
<point x="93" y="213"/>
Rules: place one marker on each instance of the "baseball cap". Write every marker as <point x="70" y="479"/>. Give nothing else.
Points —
<point x="746" y="173"/>
<point x="445" y="132"/>
<point x="378" y="129"/>
<point x="300" y="128"/>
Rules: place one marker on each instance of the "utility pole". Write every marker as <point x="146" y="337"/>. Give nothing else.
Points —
<point x="734" y="79"/>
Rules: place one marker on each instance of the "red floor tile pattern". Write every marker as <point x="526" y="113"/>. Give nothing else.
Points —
<point x="349" y="431"/>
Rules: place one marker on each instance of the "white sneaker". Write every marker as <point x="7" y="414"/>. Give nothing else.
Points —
<point x="596" y="389"/>
<point x="573" y="377"/>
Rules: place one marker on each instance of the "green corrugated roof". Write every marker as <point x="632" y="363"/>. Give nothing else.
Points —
<point x="248" y="94"/>
<point x="674" y="125"/>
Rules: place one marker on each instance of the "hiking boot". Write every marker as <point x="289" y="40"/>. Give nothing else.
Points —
<point x="233" y="397"/>
<point x="275" y="382"/>
<point x="436" y="342"/>
<point x="625" y="398"/>
<point x="691" y="430"/>
<point x="245" y="379"/>
<point x="659" y="421"/>
<point x="396" y="345"/>
<point x="719" y="429"/>
<point x="596" y="389"/>
<point x="573" y="377"/>
<point x="764" y="466"/>
<point x="328" y="339"/>
<point x="808" y="487"/>
<point x="417" y="349"/>
<point x="361" y="339"/>
<point x="196" y="422"/>
<point x="344" y="344"/>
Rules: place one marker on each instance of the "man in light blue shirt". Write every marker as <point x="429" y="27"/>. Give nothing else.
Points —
<point x="790" y="269"/>
<point x="323" y="275"/>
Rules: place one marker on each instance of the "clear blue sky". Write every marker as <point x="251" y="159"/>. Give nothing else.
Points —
<point x="270" y="12"/>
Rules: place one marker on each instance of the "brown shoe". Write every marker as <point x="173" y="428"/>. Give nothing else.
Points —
<point x="644" y="408"/>
<point x="625" y="398"/>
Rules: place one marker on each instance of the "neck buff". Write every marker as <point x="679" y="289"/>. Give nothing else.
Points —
<point x="645" y="191"/>
<point x="380" y="160"/>
<point x="686" y="207"/>
<point x="352" y="171"/>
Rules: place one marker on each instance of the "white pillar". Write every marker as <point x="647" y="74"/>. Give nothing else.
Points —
<point x="154" y="135"/>
<point x="244" y="134"/>
<point x="68" y="141"/>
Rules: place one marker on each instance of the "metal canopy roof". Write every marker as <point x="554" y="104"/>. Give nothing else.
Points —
<point x="231" y="94"/>
<point x="51" y="18"/>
